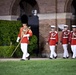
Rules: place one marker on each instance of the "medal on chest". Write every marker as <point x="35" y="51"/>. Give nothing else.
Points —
<point x="66" y="33"/>
<point x="53" y="34"/>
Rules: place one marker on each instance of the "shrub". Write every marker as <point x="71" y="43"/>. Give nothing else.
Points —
<point x="8" y="32"/>
<point x="33" y="44"/>
<point x="6" y="51"/>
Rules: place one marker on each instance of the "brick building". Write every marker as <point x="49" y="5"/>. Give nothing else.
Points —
<point x="50" y="12"/>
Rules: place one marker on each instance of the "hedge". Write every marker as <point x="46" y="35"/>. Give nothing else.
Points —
<point x="6" y="51"/>
<point x="8" y="32"/>
<point x="8" y="35"/>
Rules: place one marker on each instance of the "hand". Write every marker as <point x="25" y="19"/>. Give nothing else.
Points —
<point x="18" y="38"/>
<point x="56" y="44"/>
<point x="69" y="43"/>
<point x="17" y="41"/>
<point x="60" y="43"/>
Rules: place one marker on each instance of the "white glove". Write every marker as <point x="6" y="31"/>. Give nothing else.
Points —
<point x="18" y="38"/>
<point x="27" y="35"/>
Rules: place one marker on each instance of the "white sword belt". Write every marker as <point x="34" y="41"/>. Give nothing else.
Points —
<point x="65" y="37"/>
<point x="73" y="38"/>
<point x="52" y="38"/>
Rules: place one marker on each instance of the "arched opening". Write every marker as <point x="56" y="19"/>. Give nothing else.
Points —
<point x="73" y="10"/>
<point x="26" y="6"/>
<point x="20" y="7"/>
<point x="70" y="7"/>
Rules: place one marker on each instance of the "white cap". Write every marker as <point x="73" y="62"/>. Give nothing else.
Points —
<point x="34" y="12"/>
<point x="65" y="25"/>
<point x="73" y="26"/>
<point x="52" y="26"/>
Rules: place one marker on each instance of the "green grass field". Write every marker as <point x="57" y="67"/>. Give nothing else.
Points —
<point x="39" y="67"/>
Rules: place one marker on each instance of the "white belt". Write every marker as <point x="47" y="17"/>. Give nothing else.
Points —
<point x="73" y="38"/>
<point x="65" y="37"/>
<point x="52" y="38"/>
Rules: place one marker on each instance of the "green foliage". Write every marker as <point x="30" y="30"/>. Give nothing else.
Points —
<point x="8" y="35"/>
<point x="6" y="51"/>
<point x="33" y="44"/>
<point x="8" y="32"/>
<point x="18" y="53"/>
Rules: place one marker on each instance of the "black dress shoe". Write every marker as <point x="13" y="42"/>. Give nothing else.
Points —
<point x="55" y="57"/>
<point x="28" y="57"/>
<point x="64" y="57"/>
<point x="67" y="57"/>
<point x="22" y="59"/>
<point x="50" y="58"/>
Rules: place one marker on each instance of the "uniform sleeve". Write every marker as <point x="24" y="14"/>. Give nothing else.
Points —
<point x="19" y="34"/>
<point x="48" y="38"/>
<point x="70" y="37"/>
<point x="57" y="38"/>
<point x="61" y="37"/>
<point x="30" y="33"/>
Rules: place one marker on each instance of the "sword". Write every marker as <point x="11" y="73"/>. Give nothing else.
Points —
<point x="15" y="49"/>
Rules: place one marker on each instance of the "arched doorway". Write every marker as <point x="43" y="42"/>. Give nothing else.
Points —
<point x="26" y="6"/>
<point x="20" y="7"/>
<point x="70" y="7"/>
<point x="73" y="10"/>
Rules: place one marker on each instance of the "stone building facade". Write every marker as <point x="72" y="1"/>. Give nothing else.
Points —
<point x="50" y="12"/>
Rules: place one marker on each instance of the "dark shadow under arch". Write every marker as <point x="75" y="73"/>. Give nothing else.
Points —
<point x="17" y="3"/>
<point x="26" y="6"/>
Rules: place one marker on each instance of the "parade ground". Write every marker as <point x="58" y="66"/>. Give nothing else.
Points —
<point x="38" y="66"/>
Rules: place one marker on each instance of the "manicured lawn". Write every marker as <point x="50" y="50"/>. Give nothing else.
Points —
<point x="39" y="67"/>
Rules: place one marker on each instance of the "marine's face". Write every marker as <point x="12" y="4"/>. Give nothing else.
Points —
<point x="74" y="29"/>
<point x="65" y="28"/>
<point x="25" y="25"/>
<point x="52" y="29"/>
